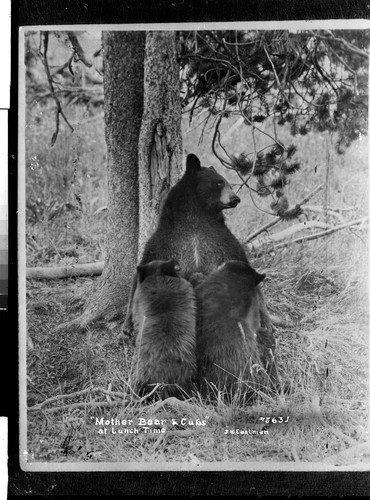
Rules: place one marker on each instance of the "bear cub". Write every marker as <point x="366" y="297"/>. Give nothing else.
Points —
<point x="228" y="321"/>
<point x="164" y="317"/>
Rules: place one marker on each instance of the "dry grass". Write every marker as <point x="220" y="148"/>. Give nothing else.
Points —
<point x="324" y="358"/>
<point x="319" y="286"/>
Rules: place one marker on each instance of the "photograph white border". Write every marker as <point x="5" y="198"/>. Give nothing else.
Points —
<point x="356" y="24"/>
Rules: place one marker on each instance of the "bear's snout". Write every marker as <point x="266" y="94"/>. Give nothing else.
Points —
<point x="234" y="200"/>
<point x="228" y="198"/>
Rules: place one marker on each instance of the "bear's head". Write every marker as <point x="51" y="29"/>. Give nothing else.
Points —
<point x="212" y="190"/>
<point x="158" y="268"/>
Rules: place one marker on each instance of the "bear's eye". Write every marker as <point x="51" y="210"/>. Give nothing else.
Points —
<point x="219" y="183"/>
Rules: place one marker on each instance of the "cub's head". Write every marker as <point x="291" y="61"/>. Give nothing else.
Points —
<point x="240" y="281"/>
<point x="212" y="190"/>
<point x="242" y="270"/>
<point x="158" y="268"/>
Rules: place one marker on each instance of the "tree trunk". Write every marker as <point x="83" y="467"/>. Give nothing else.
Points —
<point x="160" y="143"/>
<point x="123" y="109"/>
<point x="143" y="136"/>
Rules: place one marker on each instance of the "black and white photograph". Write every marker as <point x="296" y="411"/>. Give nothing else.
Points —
<point x="193" y="246"/>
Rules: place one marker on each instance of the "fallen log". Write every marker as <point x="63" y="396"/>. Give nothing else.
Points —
<point x="49" y="273"/>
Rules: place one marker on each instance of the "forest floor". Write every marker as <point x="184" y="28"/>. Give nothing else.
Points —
<point x="323" y="355"/>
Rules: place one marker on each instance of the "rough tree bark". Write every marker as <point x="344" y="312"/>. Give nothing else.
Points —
<point x="160" y="143"/>
<point x="123" y="109"/>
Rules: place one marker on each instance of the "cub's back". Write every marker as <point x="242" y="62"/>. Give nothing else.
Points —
<point x="165" y="322"/>
<point x="164" y="300"/>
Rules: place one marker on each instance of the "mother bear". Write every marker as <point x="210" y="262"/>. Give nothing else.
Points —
<point x="192" y="230"/>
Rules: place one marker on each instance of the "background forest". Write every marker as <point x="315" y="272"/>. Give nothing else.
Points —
<point x="303" y="173"/>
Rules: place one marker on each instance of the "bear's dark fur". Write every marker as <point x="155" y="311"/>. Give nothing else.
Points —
<point x="228" y="319"/>
<point x="192" y="230"/>
<point x="164" y="318"/>
<point x="191" y="227"/>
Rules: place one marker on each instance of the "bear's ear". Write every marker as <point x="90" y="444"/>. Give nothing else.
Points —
<point x="142" y="272"/>
<point x="192" y="164"/>
<point x="212" y="168"/>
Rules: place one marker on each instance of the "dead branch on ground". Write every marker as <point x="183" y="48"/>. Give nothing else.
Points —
<point x="287" y="233"/>
<point x="278" y="219"/>
<point x="323" y="210"/>
<point x="86" y="404"/>
<point x="323" y="233"/>
<point x="49" y="273"/>
<point x="89" y="390"/>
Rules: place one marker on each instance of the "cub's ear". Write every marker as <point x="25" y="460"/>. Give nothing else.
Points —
<point x="171" y="267"/>
<point x="192" y="164"/>
<point x="258" y="277"/>
<point x="176" y="266"/>
<point x="142" y="272"/>
<point x="212" y="168"/>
